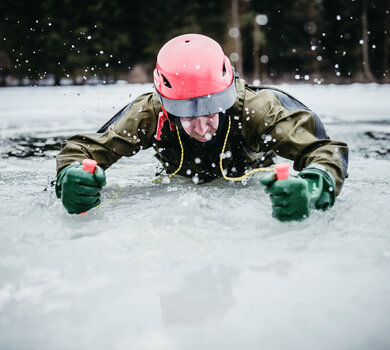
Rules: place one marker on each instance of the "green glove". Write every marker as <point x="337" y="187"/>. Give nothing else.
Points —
<point x="294" y="197"/>
<point x="79" y="189"/>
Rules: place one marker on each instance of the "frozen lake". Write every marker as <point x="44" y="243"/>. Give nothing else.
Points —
<point x="184" y="266"/>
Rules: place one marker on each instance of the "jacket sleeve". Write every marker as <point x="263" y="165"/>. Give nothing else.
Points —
<point x="126" y="134"/>
<point x="275" y="121"/>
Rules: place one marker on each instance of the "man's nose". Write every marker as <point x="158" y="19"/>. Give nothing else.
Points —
<point x="201" y="125"/>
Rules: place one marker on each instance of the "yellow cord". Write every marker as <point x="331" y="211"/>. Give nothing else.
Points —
<point x="115" y="197"/>
<point x="240" y="178"/>
<point x="181" y="159"/>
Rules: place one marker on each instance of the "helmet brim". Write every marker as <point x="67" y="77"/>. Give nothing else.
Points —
<point x="200" y="106"/>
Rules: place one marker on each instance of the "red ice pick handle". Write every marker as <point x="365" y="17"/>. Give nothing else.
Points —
<point x="89" y="165"/>
<point x="282" y="171"/>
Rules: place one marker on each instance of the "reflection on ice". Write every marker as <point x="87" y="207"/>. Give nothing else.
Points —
<point x="207" y="295"/>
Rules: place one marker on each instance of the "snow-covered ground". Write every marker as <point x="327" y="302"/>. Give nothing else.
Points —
<point x="184" y="266"/>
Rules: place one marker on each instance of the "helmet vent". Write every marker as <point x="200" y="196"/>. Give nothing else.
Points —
<point x="187" y="41"/>
<point x="223" y="69"/>
<point x="166" y="82"/>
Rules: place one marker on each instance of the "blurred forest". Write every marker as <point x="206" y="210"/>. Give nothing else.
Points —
<point x="51" y="42"/>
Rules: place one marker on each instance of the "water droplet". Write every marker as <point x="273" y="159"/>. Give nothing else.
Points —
<point x="234" y="32"/>
<point x="261" y="19"/>
<point x="227" y="154"/>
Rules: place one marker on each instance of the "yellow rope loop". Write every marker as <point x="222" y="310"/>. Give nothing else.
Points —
<point x="181" y="159"/>
<point x="240" y="178"/>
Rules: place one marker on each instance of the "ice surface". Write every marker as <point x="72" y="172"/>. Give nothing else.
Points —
<point x="184" y="266"/>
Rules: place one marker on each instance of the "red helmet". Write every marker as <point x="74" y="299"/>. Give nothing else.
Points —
<point x="193" y="77"/>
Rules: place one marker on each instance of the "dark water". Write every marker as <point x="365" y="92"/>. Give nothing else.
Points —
<point x="376" y="144"/>
<point x="367" y="144"/>
<point x="26" y="146"/>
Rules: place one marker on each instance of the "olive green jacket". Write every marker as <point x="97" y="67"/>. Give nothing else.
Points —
<point x="264" y="123"/>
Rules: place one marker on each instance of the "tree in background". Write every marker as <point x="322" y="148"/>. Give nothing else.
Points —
<point x="268" y="40"/>
<point x="386" y="42"/>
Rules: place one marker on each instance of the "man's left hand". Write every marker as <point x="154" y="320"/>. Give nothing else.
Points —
<point x="294" y="197"/>
<point x="290" y="197"/>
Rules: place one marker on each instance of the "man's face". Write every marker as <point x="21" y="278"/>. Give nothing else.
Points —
<point x="201" y="128"/>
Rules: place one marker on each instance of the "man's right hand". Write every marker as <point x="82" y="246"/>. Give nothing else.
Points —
<point x="79" y="190"/>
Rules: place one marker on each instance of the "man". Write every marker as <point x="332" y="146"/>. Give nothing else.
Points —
<point x="204" y="123"/>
